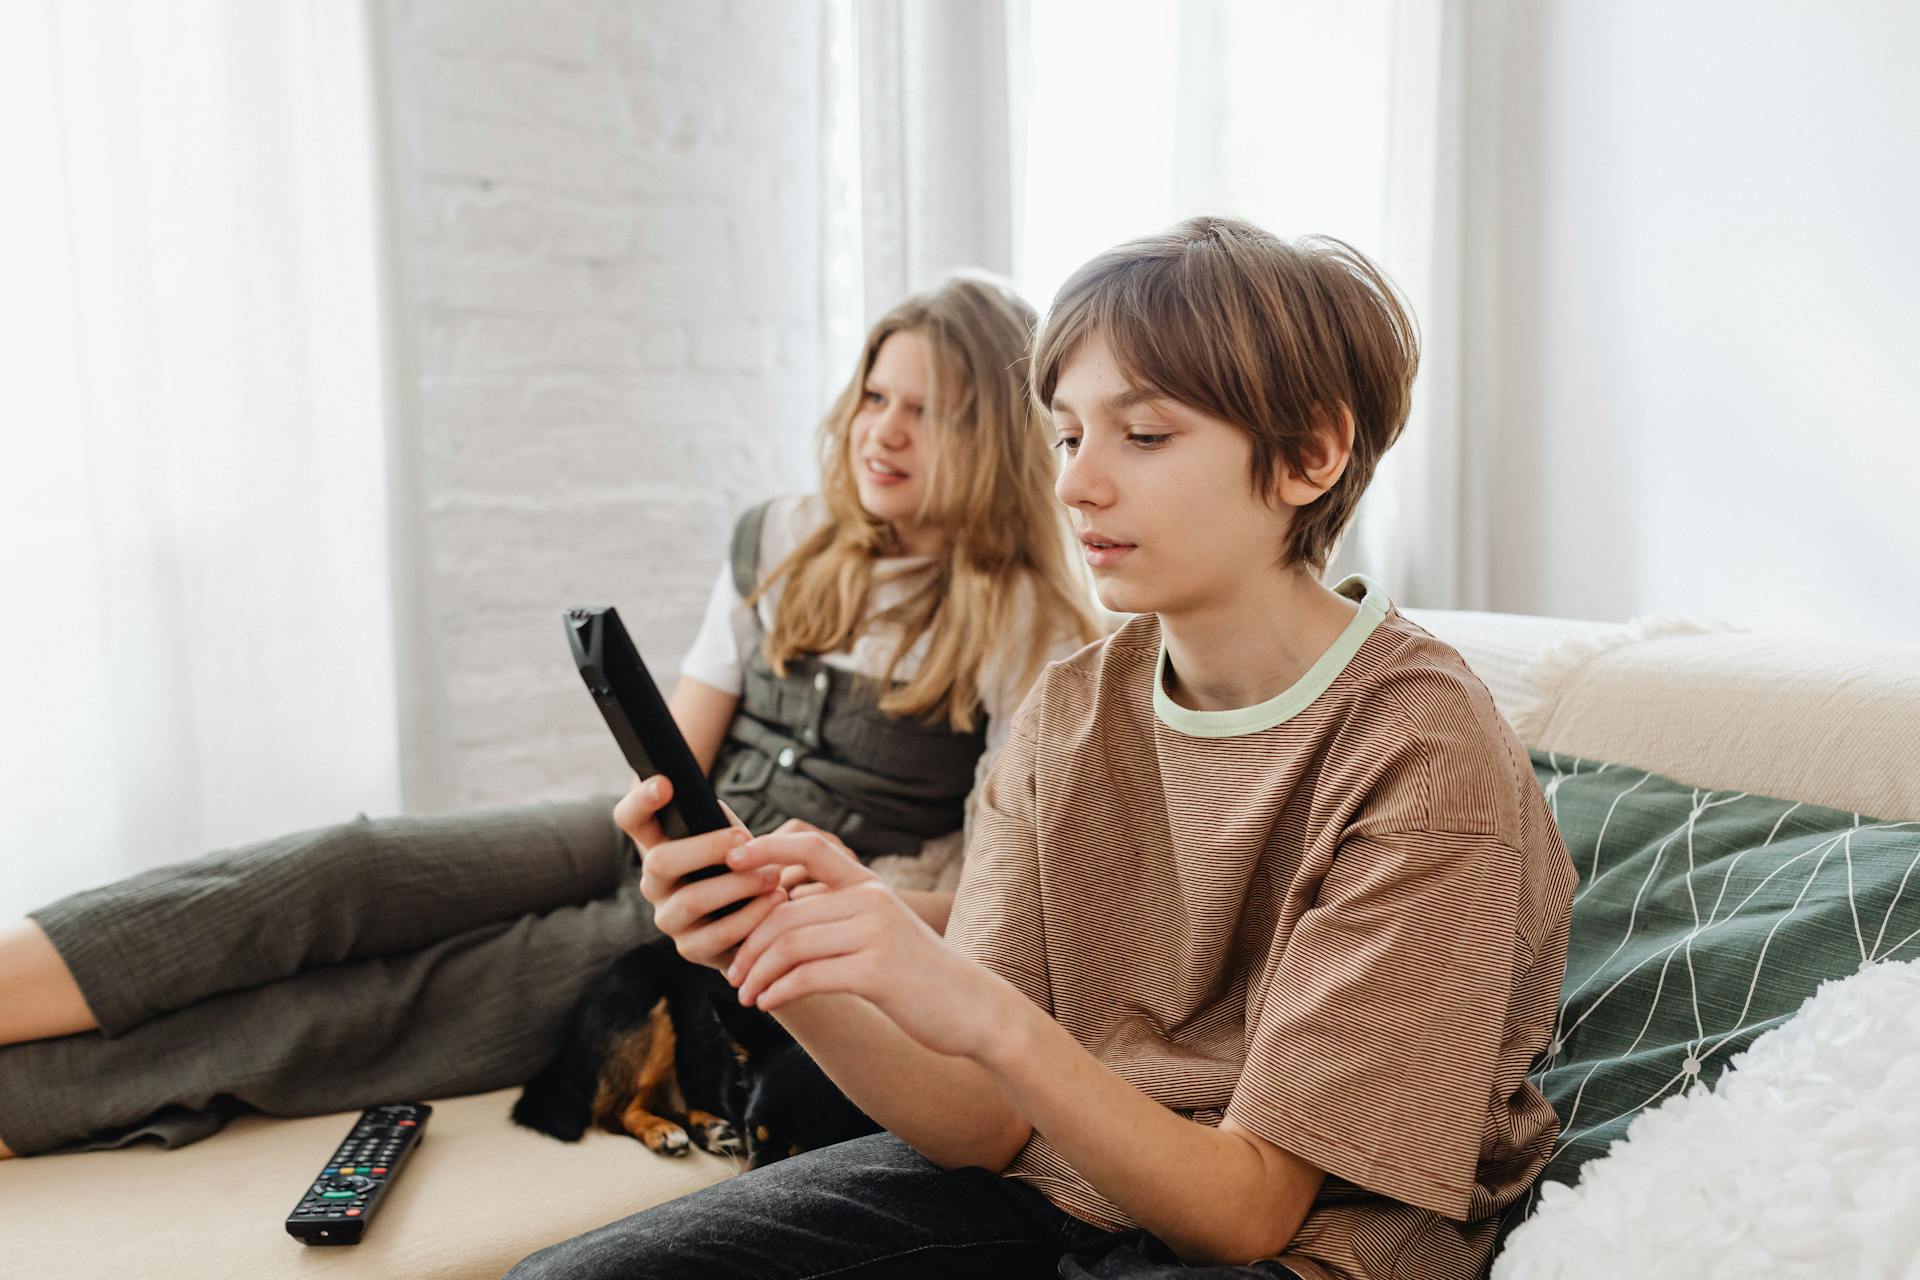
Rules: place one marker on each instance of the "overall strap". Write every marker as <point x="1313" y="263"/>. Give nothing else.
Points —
<point x="745" y="555"/>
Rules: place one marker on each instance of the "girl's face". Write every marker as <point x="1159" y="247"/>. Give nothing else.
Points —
<point x="1162" y="494"/>
<point x="888" y="440"/>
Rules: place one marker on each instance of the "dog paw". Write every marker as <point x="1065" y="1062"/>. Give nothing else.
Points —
<point x="722" y="1140"/>
<point x="711" y="1133"/>
<point x="665" y="1138"/>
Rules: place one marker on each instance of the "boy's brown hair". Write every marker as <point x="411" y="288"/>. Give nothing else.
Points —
<point x="1268" y="334"/>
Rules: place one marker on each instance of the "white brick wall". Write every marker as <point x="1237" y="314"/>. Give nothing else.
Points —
<point x="609" y="250"/>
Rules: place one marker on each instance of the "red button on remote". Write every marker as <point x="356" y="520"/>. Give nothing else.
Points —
<point x="408" y="1124"/>
<point x="380" y="1169"/>
<point x="353" y="1213"/>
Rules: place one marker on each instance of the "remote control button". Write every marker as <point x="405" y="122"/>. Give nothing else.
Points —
<point x="408" y="1124"/>
<point x="353" y="1213"/>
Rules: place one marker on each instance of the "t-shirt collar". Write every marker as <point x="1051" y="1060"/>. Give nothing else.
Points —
<point x="1288" y="703"/>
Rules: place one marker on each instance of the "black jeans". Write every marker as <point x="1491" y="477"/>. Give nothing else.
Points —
<point x="870" y="1208"/>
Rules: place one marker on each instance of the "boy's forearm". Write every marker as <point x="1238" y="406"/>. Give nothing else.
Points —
<point x="948" y="1109"/>
<point x="1229" y="1203"/>
<point x="933" y="906"/>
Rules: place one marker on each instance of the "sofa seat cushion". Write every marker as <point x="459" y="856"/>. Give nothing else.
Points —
<point x="1701" y="920"/>
<point x="478" y="1195"/>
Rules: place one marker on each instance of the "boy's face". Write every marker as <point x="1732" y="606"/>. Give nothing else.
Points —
<point x="1170" y="488"/>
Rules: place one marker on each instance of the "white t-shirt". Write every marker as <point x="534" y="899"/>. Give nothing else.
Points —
<point x="720" y="652"/>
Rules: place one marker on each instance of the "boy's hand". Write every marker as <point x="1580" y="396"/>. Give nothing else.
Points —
<point x="681" y="907"/>
<point x="857" y="936"/>
<point x="796" y="879"/>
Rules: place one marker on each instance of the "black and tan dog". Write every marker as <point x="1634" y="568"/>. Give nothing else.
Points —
<point x="661" y="1049"/>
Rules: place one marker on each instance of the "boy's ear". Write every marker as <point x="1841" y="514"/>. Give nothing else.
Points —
<point x="1324" y="461"/>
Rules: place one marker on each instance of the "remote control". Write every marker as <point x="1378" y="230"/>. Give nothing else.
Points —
<point x="337" y="1207"/>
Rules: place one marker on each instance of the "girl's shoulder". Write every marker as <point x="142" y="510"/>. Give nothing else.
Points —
<point x="767" y="532"/>
<point x="789" y="518"/>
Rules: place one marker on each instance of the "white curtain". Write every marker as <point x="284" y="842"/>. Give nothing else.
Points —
<point x="194" y="454"/>
<point x="925" y="105"/>
<point x="1027" y="135"/>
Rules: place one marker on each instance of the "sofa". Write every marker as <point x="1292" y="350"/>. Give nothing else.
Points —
<point x="1705" y="707"/>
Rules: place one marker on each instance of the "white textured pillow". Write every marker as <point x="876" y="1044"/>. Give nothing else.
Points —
<point x="1803" y="1161"/>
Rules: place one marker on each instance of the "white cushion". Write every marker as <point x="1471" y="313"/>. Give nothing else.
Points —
<point x="1825" y="722"/>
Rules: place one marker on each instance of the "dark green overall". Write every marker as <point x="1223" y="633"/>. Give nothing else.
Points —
<point x="813" y="744"/>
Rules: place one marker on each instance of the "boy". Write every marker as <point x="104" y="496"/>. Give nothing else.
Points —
<point x="1264" y="916"/>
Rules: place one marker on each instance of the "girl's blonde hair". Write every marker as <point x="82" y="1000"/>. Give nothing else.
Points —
<point x="989" y="489"/>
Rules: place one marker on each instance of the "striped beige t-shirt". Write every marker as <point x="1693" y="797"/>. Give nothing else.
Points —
<point x="1339" y="917"/>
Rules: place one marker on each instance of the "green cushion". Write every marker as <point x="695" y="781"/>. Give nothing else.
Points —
<point x="1702" y="920"/>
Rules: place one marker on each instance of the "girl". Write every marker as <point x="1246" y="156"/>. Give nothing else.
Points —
<point x="862" y="655"/>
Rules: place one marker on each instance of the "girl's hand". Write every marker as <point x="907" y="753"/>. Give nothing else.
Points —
<point x="858" y="937"/>
<point x="682" y="907"/>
